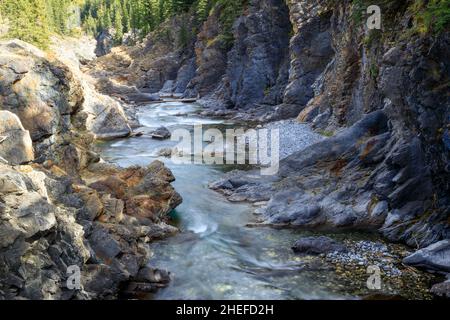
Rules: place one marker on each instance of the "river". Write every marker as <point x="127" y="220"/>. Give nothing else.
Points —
<point x="215" y="256"/>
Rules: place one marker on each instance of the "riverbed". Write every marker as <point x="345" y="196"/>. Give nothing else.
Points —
<point x="215" y="256"/>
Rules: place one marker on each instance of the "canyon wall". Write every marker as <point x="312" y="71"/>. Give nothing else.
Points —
<point x="381" y="96"/>
<point x="61" y="208"/>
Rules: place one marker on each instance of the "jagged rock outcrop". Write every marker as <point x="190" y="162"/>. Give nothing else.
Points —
<point x="105" y="42"/>
<point x="210" y="57"/>
<point x="99" y="114"/>
<point x="50" y="97"/>
<point x="311" y="49"/>
<point x="65" y="209"/>
<point x="49" y="224"/>
<point x="383" y="98"/>
<point x="166" y="54"/>
<point x="16" y="146"/>
<point x="255" y="70"/>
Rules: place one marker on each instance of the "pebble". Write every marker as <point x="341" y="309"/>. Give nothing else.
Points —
<point x="294" y="136"/>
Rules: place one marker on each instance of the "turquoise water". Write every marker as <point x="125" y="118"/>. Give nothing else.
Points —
<point x="216" y="256"/>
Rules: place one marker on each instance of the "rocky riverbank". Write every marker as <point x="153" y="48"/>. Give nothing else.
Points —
<point x="379" y="96"/>
<point x="61" y="207"/>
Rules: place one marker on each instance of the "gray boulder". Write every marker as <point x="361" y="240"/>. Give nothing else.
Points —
<point x="16" y="146"/>
<point x="105" y="42"/>
<point x="442" y="289"/>
<point x="317" y="245"/>
<point x="435" y="257"/>
<point x="161" y="133"/>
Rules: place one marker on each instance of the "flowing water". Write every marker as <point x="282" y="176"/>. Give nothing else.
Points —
<point x="216" y="256"/>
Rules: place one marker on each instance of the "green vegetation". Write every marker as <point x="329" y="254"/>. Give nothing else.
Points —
<point x="35" y="20"/>
<point x="230" y="10"/>
<point x="138" y="16"/>
<point x="431" y="16"/>
<point x="144" y="16"/>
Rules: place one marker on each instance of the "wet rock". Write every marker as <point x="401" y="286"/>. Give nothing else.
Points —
<point x="435" y="257"/>
<point x="442" y="289"/>
<point x="161" y="133"/>
<point x="317" y="245"/>
<point x="165" y="152"/>
<point x="153" y="275"/>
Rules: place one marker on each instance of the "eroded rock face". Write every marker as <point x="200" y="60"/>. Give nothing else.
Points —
<point x="146" y="192"/>
<point x="435" y="257"/>
<point x="210" y="58"/>
<point x="311" y="50"/>
<point x="51" y="220"/>
<point x="43" y="94"/>
<point x="387" y="167"/>
<point x="16" y="146"/>
<point x="48" y="224"/>
<point x="39" y="238"/>
<point x="105" y="42"/>
<point x="55" y="101"/>
<point x="99" y="114"/>
<point x="163" y="56"/>
<point x="258" y="63"/>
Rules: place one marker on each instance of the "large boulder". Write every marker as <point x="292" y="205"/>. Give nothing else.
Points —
<point x="41" y="91"/>
<point x="146" y="192"/>
<point x="435" y="257"/>
<point x="98" y="113"/>
<point x="16" y="146"/>
<point x="442" y="289"/>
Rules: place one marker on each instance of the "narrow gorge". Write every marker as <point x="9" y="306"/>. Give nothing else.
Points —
<point x="364" y="121"/>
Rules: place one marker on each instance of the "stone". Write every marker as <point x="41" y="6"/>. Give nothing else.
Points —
<point x="435" y="257"/>
<point x="105" y="42"/>
<point x="442" y="289"/>
<point x="104" y="244"/>
<point x="161" y="133"/>
<point x="317" y="245"/>
<point x="153" y="275"/>
<point x="16" y="146"/>
<point x="165" y="152"/>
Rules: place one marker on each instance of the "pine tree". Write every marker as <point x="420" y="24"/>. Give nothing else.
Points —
<point x="118" y="25"/>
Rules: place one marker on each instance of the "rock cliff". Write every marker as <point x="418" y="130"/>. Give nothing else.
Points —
<point x="382" y="96"/>
<point x="61" y="208"/>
